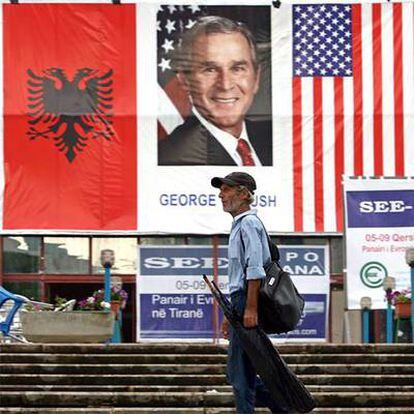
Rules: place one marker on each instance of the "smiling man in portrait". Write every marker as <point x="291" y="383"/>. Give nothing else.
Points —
<point x="218" y="67"/>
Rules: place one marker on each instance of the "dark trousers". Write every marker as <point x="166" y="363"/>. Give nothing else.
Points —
<point x="248" y="388"/>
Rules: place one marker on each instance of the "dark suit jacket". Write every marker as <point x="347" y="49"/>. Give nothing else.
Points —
<point x="192" y="144"/>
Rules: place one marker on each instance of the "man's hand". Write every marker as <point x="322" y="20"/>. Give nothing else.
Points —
<point x="250" y="319"/>
<point x="225" y="328"/>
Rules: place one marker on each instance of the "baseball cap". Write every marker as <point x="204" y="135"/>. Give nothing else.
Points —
<point x="235" y="178"/>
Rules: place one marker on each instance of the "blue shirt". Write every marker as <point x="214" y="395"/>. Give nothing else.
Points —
<point x="253" y="256"/>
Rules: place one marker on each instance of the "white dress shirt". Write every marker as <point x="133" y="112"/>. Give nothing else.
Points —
<point x="228" y="141"/>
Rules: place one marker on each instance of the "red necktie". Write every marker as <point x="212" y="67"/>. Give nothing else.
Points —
<point x="245" y="152"/>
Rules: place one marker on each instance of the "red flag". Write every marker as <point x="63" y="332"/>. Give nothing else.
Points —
<point x="69" y="117"/>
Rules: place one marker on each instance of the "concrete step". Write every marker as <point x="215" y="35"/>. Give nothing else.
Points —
<point x="112" y="410"/>
<point x="189" y="399"/>
<point x="214" y="369"/>
<point x="114" y="368"/>
<point x="39" y="358"/>
<point x="198" y="359"/>
<point x="190" y="378"/>
<point x="119" y="379"/>
<point x="118" y="388"/>
<point x="203" y="348"/>
<point x="109" y="379"/>
<point x="194" y="388"/>
<point x="378" y="380"/>
<point x="126" y="349"/>
<point x="197" y="410"/>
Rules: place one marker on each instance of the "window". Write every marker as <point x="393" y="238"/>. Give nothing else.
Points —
<point x="162" y="240"/>
<point x="199" y="240"/>
<point x="66" y="255"/>
<point x="125" y="249"/>
<point x="29" y="289"/>
<point x="21" y="254"/>
<point x="300" y="240"/>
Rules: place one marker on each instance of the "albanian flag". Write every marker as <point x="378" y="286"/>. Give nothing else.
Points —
<point x="69" y="117"/>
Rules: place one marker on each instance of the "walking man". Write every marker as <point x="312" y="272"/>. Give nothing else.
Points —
<point x="248" y="252"/>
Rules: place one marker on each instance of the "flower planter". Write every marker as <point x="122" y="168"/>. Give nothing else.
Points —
<point x="115" y="306"/>
<point x="402" y="310"/>
<point x="73" y="327"/>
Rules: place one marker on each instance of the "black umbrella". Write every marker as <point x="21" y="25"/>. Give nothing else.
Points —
<point x="281" y="382"/>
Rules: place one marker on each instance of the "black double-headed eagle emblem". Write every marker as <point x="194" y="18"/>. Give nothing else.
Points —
<point x="70" y="112"/>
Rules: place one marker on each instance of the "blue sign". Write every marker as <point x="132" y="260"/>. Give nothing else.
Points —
<point x="175" y="302"/>
<point x="177" y="316"/>
<point x="182" y="261"/>
<point x="190" y="316"/>
<point x="391" y="208"/>
<point x="155" y="261"/>
<point x="303" y="261"/>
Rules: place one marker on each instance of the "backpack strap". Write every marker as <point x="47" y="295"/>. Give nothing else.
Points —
<point x="273" y="249"/>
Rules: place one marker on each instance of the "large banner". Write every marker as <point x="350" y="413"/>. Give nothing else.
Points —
<point x="174" y="303"/>
<point x="116" y="117"/>
<point x="379" y="228"/>
<point x="334" y="85"/>
<point x="69" y="132"/>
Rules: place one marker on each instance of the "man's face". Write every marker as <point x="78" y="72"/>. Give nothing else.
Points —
<point x="232" y="199"/>
<point x="222" y="81"/>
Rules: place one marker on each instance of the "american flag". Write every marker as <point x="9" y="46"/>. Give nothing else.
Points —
<point x="174" y="105"/>
<point x="348" y="71"/>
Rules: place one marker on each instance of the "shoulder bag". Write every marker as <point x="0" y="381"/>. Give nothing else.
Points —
<point x="280" y="304"/>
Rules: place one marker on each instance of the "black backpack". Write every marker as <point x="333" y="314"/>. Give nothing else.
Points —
<point x="280" y="304"/>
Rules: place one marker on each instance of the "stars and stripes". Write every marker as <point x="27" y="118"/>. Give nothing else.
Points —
<point x="348" y="71"/>
<point x="322" y="40"/>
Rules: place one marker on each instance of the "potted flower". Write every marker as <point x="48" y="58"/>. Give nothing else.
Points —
<point x="118" y="299"/>
<point x="93" y="303"/>
<point x="401" y="300"/>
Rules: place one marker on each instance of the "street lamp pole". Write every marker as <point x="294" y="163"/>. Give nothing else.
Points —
<point x="389" y="285"/>
<point x="107" y="261"/>
<point x="366" y="304"/>
<point x="409" y="258"/>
